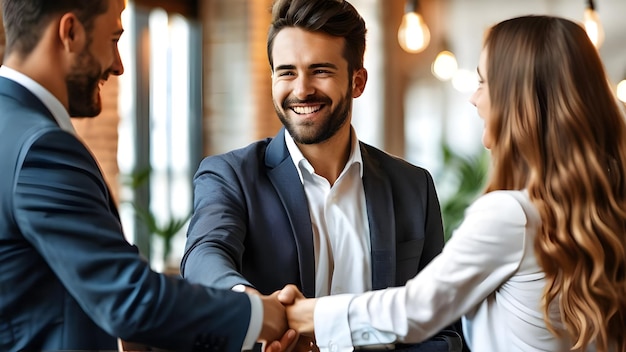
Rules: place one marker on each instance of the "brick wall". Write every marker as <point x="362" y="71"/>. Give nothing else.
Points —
<point x="266" y="123"/>
<point x="237" y="97"/>
<point x="100" y="134"/>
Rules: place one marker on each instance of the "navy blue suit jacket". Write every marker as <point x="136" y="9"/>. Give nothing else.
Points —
<point x="251" y="222"/>
<point x="69" y="280"/>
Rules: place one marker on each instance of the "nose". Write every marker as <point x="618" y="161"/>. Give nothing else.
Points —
<point x="303" y="87"/>
<point x="472" y="99"/>
<point x="118" y="67"/>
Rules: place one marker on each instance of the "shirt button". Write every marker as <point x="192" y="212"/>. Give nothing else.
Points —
<point x="365" y="336"/>
<point x="333" y="347"/>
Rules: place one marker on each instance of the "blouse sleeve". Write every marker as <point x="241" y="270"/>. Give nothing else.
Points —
<point x="483" y="253"/>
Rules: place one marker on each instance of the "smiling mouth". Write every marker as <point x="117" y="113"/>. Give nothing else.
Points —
<point x="304" y="110"/>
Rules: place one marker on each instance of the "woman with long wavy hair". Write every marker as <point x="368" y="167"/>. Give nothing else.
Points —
<point x="539" y="262"/>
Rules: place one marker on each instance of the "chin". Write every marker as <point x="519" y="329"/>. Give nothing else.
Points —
<point x="486" y="142"/>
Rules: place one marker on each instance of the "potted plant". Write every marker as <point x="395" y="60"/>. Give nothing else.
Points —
<point x="165" y="230"/>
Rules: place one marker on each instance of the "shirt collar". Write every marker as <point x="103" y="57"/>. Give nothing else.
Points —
<point x="300" y="161"/>
<point x="50" y="101"/>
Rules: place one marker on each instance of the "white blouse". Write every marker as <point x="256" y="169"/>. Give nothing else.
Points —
<point x="487" y="273"/>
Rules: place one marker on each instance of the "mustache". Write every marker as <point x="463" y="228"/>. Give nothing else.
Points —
<point x="105" y="75"/>
<point x="313" y="99"/>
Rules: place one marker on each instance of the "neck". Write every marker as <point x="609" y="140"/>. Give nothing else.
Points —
<point x="328" y="158"/>
<point x="44" y="72"/>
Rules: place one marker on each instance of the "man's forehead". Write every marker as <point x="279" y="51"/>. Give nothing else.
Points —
<point x="294" y="44"/>
<point x="116" y="6"/>
<point x="121" y="4"/>
<point x="114" y="12"/>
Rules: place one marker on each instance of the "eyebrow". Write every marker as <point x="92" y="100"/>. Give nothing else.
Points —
<point x="118" y="32"/>
<point x="478" y="71"/>
<point x="324" y="65"/>
<point x="312" y="66"/>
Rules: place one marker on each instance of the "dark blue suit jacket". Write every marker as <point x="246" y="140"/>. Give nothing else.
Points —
<point x="69" y="280"/>
<point x="251" y="223"/>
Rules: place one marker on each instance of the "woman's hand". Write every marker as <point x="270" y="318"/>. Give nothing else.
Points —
<point x="299" y="309"/>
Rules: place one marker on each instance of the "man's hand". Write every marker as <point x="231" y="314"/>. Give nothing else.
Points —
<point x="286" y="343"/>
<point x="304" y="344"/>
<point x="299" y="309"/>
<point x="274" y="330"/>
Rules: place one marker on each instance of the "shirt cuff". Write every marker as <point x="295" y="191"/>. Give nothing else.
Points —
<point x="256" y="321"/>
<point x="363" y="334"/>
<point x="330" y="320"/>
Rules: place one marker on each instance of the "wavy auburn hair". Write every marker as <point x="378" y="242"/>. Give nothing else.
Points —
<point x="559" y="132"/>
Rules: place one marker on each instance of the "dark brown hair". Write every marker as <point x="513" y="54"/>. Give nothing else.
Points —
<point x="337" y="18"/>
<point x="25" y="20"/>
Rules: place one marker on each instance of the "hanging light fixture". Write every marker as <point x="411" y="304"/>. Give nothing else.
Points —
<point x="445" y="65"/>
<point x="621" y="90"/>
<point x="592" y="25"/>
<point x="413" y="34"/>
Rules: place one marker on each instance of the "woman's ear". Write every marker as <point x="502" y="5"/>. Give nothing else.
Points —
<point x="359" y="79"/>
<point x="72" y="33"/>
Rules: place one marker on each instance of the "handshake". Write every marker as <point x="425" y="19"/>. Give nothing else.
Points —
<point x="287" y="321"/>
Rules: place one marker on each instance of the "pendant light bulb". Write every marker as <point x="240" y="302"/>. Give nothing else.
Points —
<point x="621" y="90"/>
<point x="593" y="26"/>
<point x="413" y="34"/>
<point x="445" y="66"/>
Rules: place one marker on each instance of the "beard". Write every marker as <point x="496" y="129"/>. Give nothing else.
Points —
<point x="310" y="132"/>
<point x="83" y="86"/>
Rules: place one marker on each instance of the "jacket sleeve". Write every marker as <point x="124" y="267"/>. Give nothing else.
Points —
<point x="217" y="230"/>
<point x="63" y="209"/>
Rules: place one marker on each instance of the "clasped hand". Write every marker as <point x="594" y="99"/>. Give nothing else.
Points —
<point x="288" y="321"/>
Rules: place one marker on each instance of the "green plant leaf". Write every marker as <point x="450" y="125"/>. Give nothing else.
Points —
<point x="468" y="175"/>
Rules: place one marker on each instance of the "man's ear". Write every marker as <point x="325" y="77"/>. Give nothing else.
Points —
<point x="71" y="33"/>
<point x="359" y="79"/>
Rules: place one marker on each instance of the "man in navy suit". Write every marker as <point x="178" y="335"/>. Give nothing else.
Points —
<point x="69" y="279"/>
<point x="314" y="206"/>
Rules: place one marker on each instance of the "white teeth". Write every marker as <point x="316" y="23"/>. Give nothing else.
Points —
<point x="305" y="109"/>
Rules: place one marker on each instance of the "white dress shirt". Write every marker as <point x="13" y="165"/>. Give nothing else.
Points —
<point x="340" y="224"/>
<point x="487" y="273"/>
<point x="62" y="117"/>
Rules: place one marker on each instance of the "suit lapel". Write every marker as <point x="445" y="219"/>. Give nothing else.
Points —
<point x="284" y="176"/>
<point x="379" y="201"/>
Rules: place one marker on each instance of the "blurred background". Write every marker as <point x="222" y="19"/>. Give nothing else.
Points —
<point x="197" y="82"/>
